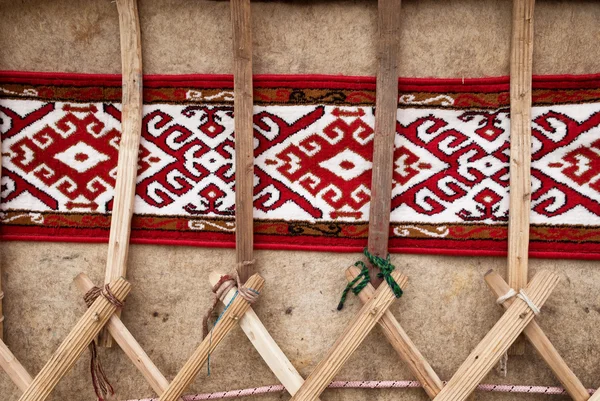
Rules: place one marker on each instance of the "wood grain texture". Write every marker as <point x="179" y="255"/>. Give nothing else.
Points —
<point x="542" y="344"/>
<point x="497" y="341"/>
<point x="13" y="368"/>
<point x="265" y="345"/>
<point x="400" y="341"/>
<point x="386" y="110"/>
<point x="521" y="64"/>
<point x="131" y="128"/>
<point x="520" y="142"/>
<point x="76" y="342"/>
<point x="129" y="344"/>
<point x="244" y="135"/>
<point x="358" y="329"/>
<point x="228" y="320"/>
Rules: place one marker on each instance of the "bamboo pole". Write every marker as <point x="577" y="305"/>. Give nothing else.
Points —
<point x="400" y="341"/>
<point x="497" y="341"/>
<point x="348" y="341"/>
<point x="244" y="136"/>
<point x="131" y="123"/>
<point x="69" y="351"/>
<point x="542" y="344"/>
<point x="228" y="320"/>
<point x="13" y="368"/>
<point x="261" y="339"/>
<point x="386" y="107"/>
<point x="521" y="64"/>
<point x="128" y="343"/>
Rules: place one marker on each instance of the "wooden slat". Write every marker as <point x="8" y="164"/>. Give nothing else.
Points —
<point x="497" y="341"/>
<point x="131" y="124"/>
<point x="521" y="62"/>
<point x="129" y="344"/>
<point x="386" y="109"/>
<point x="244" y="135"/>
<point x="13" y="368"/>
<point x="76" y="342"/>
<point x="542" y="344"/>
<point x="228" y="321"/>
<point x="265" y="345"/>
<point x="403" y="345"/>
<point x="358" y="329"/>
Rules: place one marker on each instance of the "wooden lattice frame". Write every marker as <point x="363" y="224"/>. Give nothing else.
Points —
<point x="519" y="317"/>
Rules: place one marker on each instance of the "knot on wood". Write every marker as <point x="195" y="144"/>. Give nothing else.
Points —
<point x="95" y="292"/>
<point x="385" y="272"/>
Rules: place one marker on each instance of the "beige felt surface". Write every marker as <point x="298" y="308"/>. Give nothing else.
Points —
<point x="447" y="309"/>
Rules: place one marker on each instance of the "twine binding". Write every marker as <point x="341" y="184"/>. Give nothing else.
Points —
<point x="102" y="386"/>
<point x="522" y="295"/>
<point x="385" y="272"/>
<point x="220" y="289"/>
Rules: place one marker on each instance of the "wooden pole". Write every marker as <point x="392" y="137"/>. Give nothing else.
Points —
<point x="17" y="373"/>
<point x="348" y="341"/>
<point x="386" y="111"/>
<point x="403" y="345"/>
<point x="497" y="341"/>
<point x="128" y="343"/>
<point x="76" y="342"/>
<point x="542" y="344"/>
<point x="131" y="123"/>
<point x="521" y="64"/>
<point x="228" y="320"/>
<point x="244" y="136"/>
<point x="261" y="339"/>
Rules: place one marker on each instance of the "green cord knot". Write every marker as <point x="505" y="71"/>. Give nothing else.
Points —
<point x="364" y="274"/>
<point x="385" y="272"/>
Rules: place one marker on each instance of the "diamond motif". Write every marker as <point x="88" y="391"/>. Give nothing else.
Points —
<point x="347" y="165"/>
<point x="81" y="157"/>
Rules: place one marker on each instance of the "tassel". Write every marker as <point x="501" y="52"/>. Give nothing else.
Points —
<point x="102" y="386"/>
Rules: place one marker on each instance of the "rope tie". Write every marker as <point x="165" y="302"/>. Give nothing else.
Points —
<point x="102" y="386"/>
<point x="503" y="298"/>
<point x="220" y="289"/>
<point x="522" y="295"/>
<point x="360" y="282"/>
<point x="503" y="365"/>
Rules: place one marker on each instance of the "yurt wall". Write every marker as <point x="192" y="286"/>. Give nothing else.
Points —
<point x="446" y="308"/>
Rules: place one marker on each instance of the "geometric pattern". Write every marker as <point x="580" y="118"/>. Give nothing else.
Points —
<point x="313" y="162"/>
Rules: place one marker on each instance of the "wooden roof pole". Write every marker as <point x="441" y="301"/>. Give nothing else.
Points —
<point x="542" y="344"/>
<point x="244" y="136"/>
<point x="386" y="111"/>
<point x="521" y="62"/>
<point x="131" y="123"/>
